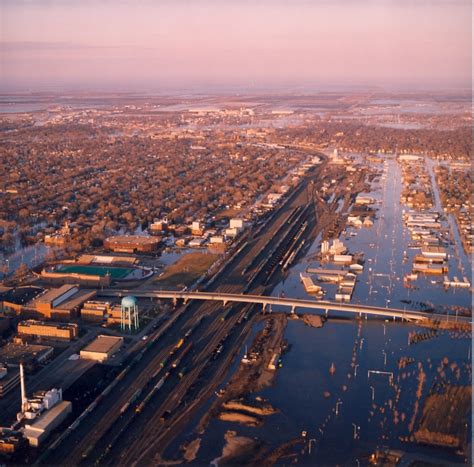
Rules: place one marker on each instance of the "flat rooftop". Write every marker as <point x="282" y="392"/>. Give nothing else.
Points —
<point x="102" y="344"/>
<point x="77" y="299"/>
<point x="52" y="294"/>
<point x="133" y="239"/>
<point x="19" y="295"/>
<point x="13" y="354"/>
<point x="47" y="417"/>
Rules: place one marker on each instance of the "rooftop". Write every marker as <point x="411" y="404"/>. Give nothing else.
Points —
<point x="102" y="344"/>
<point x="133" y="239"/>
<point x="53" y="294"/>
<point x="47" y="417"/>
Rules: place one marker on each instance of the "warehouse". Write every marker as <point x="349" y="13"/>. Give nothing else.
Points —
<point x="102" y="348"/>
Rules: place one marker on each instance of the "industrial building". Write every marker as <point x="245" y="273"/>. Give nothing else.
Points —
<point x="14" y="353"/>
<point x="132" y="244"/>
<point x="57" y="277"/>
<point x="60" y="331"/>
<point x="60" y="303"/>
<point x="10" y="440"/>
<point x="42" y="413"/>
<point x="102" y="348"/>
<point x="95" y="311"/>
<point x="9" y="378"/>
<point x="40" y="429"/>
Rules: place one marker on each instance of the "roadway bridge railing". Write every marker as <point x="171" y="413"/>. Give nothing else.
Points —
<point x="291" y="303"/>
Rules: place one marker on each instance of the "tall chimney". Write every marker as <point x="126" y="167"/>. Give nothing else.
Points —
<point x="23" y="389"/>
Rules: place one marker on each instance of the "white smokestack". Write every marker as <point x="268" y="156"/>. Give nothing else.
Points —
<point x="23" y="389"/>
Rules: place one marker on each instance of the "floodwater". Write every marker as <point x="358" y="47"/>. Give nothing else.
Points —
<point x="369" y="415"/>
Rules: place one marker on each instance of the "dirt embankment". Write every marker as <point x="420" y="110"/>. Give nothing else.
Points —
<point x="264" y="409"/>
<point x="452" y="325"/>
<point x="314" y="321"/>
<point x="234" y="403"/>
<point x="238" y="450"/>
<point x="238" y="417"/>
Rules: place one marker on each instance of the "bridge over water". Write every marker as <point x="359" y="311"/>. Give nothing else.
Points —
<point x="291" y="303"/>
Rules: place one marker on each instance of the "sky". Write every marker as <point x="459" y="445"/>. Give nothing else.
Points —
<point x="240" y="44"/>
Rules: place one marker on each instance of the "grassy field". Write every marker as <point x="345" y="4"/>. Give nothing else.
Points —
<point x="186" y="270"/>
<point x="116" y="273"/>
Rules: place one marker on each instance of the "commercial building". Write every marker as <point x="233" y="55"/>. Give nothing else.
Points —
<point x="132" y="244"/>
<point x="59" y="331"/>
<point x="40" y="429"/>
<point x="102" y="348"/>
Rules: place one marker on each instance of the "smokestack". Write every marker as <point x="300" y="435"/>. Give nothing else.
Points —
<point x="23" y="389"/>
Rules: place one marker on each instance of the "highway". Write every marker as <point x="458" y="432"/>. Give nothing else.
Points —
<point x="293" y="304"/>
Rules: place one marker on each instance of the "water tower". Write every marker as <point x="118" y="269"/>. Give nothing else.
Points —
<point x="129" y="314"/>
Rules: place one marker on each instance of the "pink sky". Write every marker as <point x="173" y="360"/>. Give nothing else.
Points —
<point x="239" y="43"/>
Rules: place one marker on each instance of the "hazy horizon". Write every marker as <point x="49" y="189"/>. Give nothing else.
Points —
<point x="235" y="45"/>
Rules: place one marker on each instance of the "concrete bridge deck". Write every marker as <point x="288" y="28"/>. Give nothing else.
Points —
<point x="291" y="303"/>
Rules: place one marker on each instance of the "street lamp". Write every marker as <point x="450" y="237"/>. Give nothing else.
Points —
<point x="355" y="430"/>
<point x="355" y="370"/>
<point x="361" y="343"/>
<point x="373" y="392"/>
<point x="384" y="357"/>
<point x="337" y="406"/>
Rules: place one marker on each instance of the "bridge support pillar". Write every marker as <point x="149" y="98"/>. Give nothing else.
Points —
<point x="225" y="302"/>
<point x="264" y="308"/>
<point x="293" y="309"/>
<point x="326" y="312"/>
<point x="175" y="301"/>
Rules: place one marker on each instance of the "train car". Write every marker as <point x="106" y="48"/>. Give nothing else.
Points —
<point x="124" y="407"/>
<point x="88" y="451"/>
<point x="176" y="362"/>
<point x="225" y="315"/>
